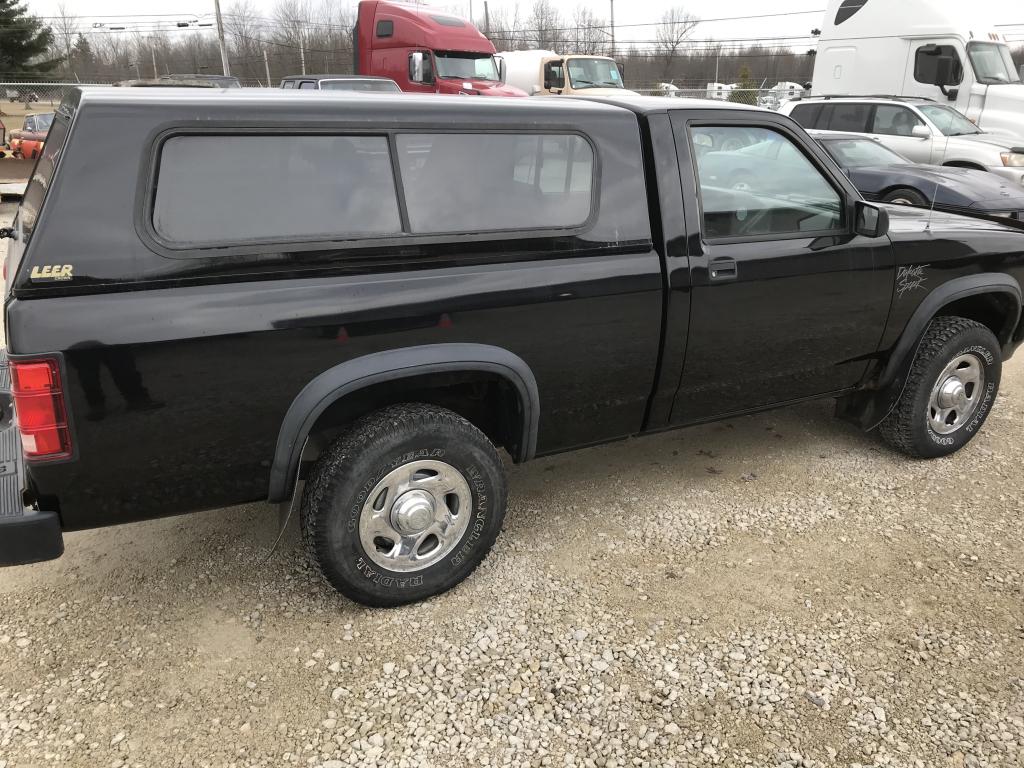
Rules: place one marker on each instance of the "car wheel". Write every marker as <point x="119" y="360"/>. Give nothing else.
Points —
<point x="404" y="506"/>
<point x="906" y="197"/>
<point x="952" y="386"/>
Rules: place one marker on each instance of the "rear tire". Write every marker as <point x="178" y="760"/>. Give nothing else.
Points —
<point x="404" y="506"/>
<point x="951" y="389"/>
<point x="906" y="197"/>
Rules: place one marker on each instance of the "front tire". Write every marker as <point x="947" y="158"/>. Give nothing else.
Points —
<point x="906" y="197"/>
<point x="404" y="506"/>
<point x="950" y="392"/>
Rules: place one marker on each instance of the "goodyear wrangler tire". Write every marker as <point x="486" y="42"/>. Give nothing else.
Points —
<point x="950" y="392"/>
<point x="404" y="506"/>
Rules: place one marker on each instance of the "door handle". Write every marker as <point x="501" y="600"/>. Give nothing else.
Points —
<point x="723" y="269"/>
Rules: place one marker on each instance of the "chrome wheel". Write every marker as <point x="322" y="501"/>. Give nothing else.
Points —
<point x="415" y="516"/>
<point x="956" y="394"/>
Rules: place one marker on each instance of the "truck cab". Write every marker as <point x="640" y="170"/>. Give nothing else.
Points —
<point x="936" y="49"/>
<point x="546" y="73"/>
<point x="426" y="50"/>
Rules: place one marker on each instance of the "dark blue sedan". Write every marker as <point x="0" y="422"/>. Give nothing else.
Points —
<point x="883" y="175"/>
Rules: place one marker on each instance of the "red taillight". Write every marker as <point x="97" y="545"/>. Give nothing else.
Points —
<point x="39" y="405"/>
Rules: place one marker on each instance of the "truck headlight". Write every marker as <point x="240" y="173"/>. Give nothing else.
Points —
<point x="1012" y="159"/>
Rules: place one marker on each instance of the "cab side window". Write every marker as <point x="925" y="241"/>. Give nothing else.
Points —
<point x="927" y="61"/>
<point x="756" y="182"/>
<point x="894" y="121"/>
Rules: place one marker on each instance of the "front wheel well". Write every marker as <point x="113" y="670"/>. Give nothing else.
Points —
<point x="996" y="311"/>
<point x="487" y="400"/>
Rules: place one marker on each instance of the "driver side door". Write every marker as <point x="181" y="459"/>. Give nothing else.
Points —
<point x="787" y="302"/>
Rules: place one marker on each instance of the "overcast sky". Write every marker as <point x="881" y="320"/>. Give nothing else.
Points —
<point x="627" y="12"/>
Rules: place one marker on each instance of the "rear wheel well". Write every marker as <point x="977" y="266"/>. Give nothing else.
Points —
<point x="996" y="311"/>
<point x="486" y="400"/>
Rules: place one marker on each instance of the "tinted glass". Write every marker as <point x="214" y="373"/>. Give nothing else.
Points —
<point x="237" y="189"/>
<point x="894" y="121"/>
<point x="385" y="28"/>
<point x="42" y="175"/>
<point x="481" y="182"/>
<point x="307" y="84"/>
<point x="757" y="182"/>
<point x="806" y="114"/>
<point x="926" y="63"/>
<point x="849" y="117"/>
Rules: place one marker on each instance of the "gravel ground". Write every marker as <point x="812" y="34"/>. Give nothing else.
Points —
<point x="778" y="590"/>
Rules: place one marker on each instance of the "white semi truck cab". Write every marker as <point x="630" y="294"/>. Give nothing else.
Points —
<point x="939" y="49"/>
<point x="546" y="73"/>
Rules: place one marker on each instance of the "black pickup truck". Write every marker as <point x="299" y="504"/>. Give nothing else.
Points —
<point x="354" y="303"/>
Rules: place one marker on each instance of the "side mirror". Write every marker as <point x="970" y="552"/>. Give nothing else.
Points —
<point x="872" y="221"/>
<point x="502" y="70"/>
<point x="421" y="68"/>
<point x="921" y="132"/>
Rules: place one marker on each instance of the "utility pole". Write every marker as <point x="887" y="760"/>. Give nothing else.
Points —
<point x="266" y="65"/>
<point x="156" y="73"/>
<point x="613" y="28"/>
<point x="225" y="65"/>
<point x="302" y="53"/>
<point x="487" y="20"/>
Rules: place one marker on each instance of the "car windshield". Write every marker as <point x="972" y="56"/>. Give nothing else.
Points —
<point x="992" y="63"/>
<point x="466" y="66"/>
<point x="860" y="153"/>
<point x="43" y="122"/>
<point x="376" y="86"/>
<point x="594" y="73"/>
<point x="948" y="120"/>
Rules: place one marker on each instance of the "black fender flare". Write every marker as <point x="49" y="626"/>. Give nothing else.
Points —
<point x="380" y="367"/>
<point x="889" y="387"/>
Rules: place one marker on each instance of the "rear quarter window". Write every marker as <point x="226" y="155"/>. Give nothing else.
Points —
<point x="222" y="190"/>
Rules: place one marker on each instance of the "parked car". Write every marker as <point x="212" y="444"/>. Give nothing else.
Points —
<point x="364" y="348"/>
<point x="29" y="139"/>
<point x="363" y="83"/>
<point x="919" y="129"/>
<point x="881" y="174"/>
<point x="218" y="81"/>
<point x="161" y="82"/>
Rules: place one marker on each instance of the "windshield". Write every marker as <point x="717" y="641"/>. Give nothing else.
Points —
<point x="466" y="66"/>
<point x="43" y="122"/>
<point x="992" y="63"/>
<point x="378" y="86"/>
<point x="860" y="153"/>
<point x="948" y="120"/>
<point x="594" y="73"/>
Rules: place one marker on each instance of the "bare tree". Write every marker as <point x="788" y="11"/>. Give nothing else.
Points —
<point x="676" y="27"/>
<point x="544" y="27"/>
<point x="65" y="33"/>
<point x="590" y="34"/>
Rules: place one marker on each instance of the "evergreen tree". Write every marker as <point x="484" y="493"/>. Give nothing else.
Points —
<point x="746" y="88"/>
<point x="24" y="42"/>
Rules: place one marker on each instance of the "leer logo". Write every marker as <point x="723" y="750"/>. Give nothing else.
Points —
<point x="54" y="272"/>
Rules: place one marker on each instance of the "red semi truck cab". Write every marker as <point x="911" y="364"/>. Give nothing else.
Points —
<point x="426" y="50"/>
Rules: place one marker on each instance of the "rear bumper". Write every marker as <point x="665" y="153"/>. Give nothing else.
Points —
<point x="26" y="535"/>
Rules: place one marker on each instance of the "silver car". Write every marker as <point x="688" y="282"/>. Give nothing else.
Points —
<point x="921" y="130"/>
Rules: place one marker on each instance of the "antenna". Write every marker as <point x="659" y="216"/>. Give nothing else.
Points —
<point x="935" y="192"/>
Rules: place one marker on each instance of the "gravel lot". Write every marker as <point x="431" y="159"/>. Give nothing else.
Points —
<point x="779" y="590"/>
